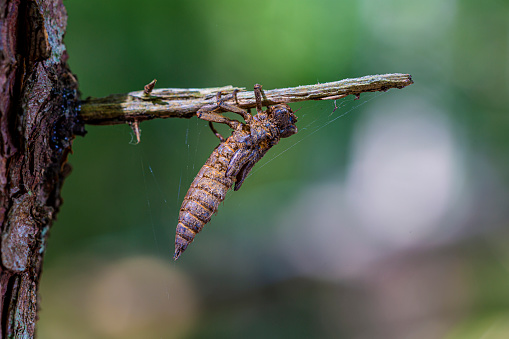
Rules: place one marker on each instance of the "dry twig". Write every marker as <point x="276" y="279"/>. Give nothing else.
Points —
<point x="183" y="103"/>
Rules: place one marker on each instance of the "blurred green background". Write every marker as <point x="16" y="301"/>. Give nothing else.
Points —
<point x="390" y="221"/>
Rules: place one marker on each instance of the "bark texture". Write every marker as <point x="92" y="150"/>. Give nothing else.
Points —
<point x="38" y="119"/>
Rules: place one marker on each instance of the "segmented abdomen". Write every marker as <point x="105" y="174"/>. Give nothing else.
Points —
<point x="207" y="191"/>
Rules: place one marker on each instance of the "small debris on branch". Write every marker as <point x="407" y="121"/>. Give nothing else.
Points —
<point x="135" y="126"/>
<point x="149" y="87"/>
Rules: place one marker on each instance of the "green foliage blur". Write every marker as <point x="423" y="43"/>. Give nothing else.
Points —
<point x="385" y="218"/>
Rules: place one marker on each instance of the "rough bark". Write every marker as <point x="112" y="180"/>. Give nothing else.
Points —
<point x="38" y="101"/>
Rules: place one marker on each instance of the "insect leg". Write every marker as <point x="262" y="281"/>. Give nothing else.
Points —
<point x="235" y="109"/>
<point x="216" y="132"/>
<point x="217" y="105"/>
<point x="231" y="108"/>
<point x="220" y="105"/>
<point x="233" y="95"/>
<point x="216" y="117"/>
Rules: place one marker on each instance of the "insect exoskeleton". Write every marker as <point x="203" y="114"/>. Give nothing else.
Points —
<point x="231" y="161"/>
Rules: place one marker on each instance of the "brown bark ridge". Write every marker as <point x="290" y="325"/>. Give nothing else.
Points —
<point x="38" y="119"/>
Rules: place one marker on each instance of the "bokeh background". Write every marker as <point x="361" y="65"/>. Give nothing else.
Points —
<point x="385" y="218"/>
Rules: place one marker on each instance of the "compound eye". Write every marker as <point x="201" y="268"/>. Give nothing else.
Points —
<point x="280" y="112"/>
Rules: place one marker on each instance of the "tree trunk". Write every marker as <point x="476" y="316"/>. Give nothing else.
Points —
<point x="38" y="119"/>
